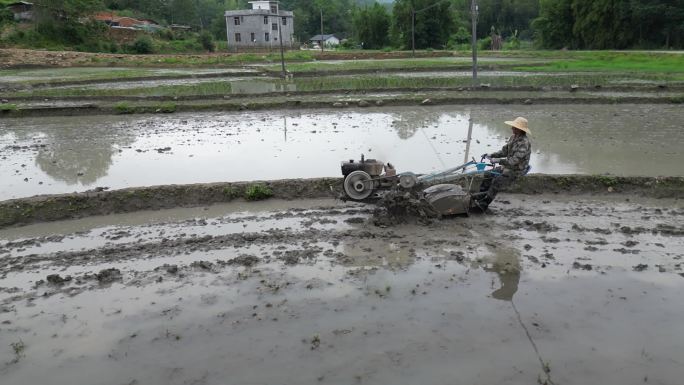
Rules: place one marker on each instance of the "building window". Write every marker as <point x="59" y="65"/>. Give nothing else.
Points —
<point x="267" y="36"/>
<point x="284" y="20"/>
<point x="274" y="9"/>
<point x="253" y="36"/>
<point x="265" y="19"/>
<point x="238" y="38"/>
<point x="274" y="26"/>
<point x="236" y="20"/>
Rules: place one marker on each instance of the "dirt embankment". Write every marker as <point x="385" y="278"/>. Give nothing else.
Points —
<point x="26" y="58"/>
<point x="289" y="101"/>
<point x="67" y="206"/>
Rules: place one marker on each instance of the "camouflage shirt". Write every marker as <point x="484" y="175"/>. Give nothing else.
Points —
<point x="515" y="154"/>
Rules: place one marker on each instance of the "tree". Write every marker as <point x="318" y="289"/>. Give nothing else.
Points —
<point x="553" y="27"/>
<point x="604" y="24"/>
<point x="56" y="10"/>
<point x="433" y="26"/>
<point x="371" y="26"/>
<point x="337" y="16"/>
<point x="61" y="21"/>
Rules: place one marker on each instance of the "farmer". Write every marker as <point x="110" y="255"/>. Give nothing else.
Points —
<point x="513" y="161"/>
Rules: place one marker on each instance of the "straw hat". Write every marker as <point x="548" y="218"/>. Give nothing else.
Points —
<point x="520" y="124"/>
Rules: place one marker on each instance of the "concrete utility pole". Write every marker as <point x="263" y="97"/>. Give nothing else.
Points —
<point x="282" y="50"/>
<point x="321" y="30"/>
<point x="474" y="11"/>
<point x="413" y="31"/>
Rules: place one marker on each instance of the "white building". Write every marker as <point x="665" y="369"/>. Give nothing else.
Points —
<point x="260" y="27"/>
<point x="326" y="40"/>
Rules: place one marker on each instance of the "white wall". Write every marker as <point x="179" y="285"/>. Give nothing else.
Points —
<point x="332" y="41"/>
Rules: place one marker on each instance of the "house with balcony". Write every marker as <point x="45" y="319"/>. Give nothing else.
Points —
<point x="260" y="27"/>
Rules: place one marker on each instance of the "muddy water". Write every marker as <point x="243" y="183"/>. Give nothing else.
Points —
<point x="555" y="285"/>
<point x="158" y="83"/>
<point x="65" y="154"/>
<point x="76" y="73"/>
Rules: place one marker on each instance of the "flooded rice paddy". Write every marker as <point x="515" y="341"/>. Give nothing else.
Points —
<point x="95" y="73"/>
<point x="66" y="154"/>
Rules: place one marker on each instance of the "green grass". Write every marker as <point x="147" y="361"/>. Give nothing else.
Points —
<point x="8" y="107"/>
<point x="124" y="108"/>
<point x="615" y="62"/>
<point x="166" y="108"/>
<point x="395" y="82"/>
<point x="355" y="83"/>
<point x="387" y="64"/>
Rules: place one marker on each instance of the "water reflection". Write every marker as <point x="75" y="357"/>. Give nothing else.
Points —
<point x="70" y="154"/>
<point x="120" y="151"/>
<point x="505" y="263"/>
<point x="77" y="159"/>
<point x="409" y="121"/>
<point x="370" y="253"/>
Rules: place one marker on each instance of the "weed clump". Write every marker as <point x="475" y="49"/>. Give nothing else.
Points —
<point x="18" y="348"/>
<point x="258" y="192"/>
<point x="123" y="108"/>
<point x="231" y="192"/>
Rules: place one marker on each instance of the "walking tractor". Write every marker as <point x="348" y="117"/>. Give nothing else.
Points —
<point x="447" y="192"/>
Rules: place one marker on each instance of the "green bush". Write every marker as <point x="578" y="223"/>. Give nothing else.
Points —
<point x="61" y="35"/>
<point x="257" y="192"/>
<point x="113" y="47"/>
<point x="207" y="41"/>
<point x="462" y="36"/>
<point x="513" y="41"/>
<point x="6" y="16"/>
<point x="485" y="44"/>
<point x="143" y="45"/>
<point x="167" y="34"/>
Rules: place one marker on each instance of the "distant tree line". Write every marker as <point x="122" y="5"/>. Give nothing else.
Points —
<point x="439" y="24"/>
<point x="602" y="24"/>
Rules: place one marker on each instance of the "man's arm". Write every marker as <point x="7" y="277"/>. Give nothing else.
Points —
<point x="500" y="153"/>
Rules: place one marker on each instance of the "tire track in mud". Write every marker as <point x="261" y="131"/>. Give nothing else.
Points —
<point x="319" y="232"/>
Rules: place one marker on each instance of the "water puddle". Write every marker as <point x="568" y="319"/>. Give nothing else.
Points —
<point x="66" y="154"/>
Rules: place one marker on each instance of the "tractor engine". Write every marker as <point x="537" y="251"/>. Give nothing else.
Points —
<point x="363" y="177"/>
<point x="371" y="167"/>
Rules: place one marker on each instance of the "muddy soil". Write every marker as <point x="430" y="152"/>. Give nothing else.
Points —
<point x="312" y="291"/>
<point x="24" y="58"/>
